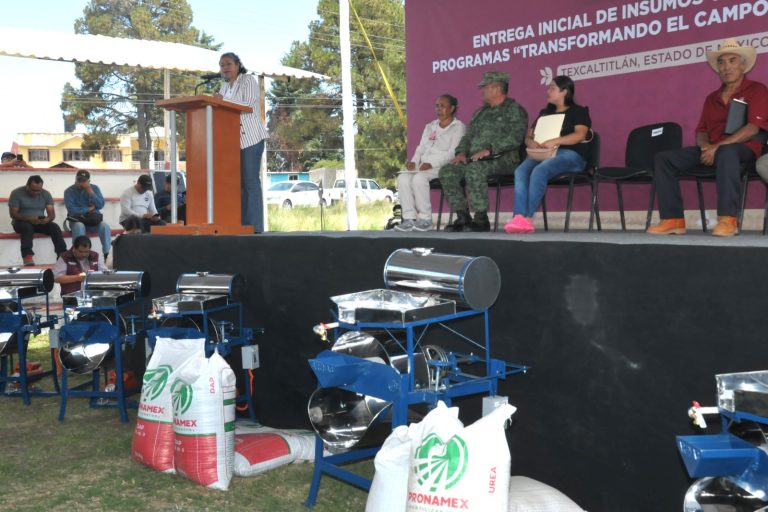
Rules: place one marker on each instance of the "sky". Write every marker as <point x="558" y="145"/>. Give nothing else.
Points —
<point x="30" y="89"/>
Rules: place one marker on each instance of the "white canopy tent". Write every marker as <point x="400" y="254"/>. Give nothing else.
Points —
<point x="68" y="47"/>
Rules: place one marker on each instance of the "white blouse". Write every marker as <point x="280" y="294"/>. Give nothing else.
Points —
<point x="437" y="144"/>
<point x="245" y="91"/>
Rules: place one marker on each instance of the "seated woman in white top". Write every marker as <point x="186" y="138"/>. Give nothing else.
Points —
<point x="436" y="148"/>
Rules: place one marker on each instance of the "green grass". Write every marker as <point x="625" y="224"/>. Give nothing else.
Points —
<point x="371" y="216"/>
<point x="84" y="464"/>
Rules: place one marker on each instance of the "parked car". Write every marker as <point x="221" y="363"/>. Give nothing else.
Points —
<point x="295" y="193"/>
<point x="367" y="191"/>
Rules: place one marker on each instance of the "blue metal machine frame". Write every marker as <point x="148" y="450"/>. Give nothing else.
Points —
<point x="384" y="382"/>
<point x="88" y="332"/>
<point x="224" y="348"/>
<point x="727" y="455"/>
<point x="13" y="322"/>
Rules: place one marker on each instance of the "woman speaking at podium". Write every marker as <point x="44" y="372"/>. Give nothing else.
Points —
<point x="243" y="89"/>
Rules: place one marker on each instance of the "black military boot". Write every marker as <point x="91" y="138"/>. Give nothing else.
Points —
<point x="479" y="224"/>
<point x="462" y="220"/>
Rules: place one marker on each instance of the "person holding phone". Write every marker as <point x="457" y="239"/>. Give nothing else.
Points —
<point x="137" y="207"/>
<point x="242" y="88"/>
<point x="8" y="159"/>
<point x="31" y="210"/>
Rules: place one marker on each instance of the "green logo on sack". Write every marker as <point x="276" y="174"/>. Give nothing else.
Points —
<point x="154" y="382"/>
<point x="440" y="465"/>
<point x="181" y="396"/>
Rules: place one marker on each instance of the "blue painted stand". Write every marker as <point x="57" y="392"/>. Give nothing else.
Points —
<point x="384" y="382"/>
<point x="17" y="321"/>
<point x="89" y="332"/>
<point x="224" y="348"/>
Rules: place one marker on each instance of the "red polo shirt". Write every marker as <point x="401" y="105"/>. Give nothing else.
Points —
<point x="715" y="112"/>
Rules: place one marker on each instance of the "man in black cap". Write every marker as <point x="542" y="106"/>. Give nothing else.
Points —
<point x="84" y="203"/>
<point x="137" y="207"/>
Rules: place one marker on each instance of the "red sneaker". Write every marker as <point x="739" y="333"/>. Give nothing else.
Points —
<point x="28" y="260"/>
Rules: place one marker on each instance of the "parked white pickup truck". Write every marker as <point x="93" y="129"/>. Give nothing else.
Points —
<point x="367" y="191"/>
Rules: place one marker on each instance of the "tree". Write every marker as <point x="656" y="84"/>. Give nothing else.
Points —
<point x="305" y="118"/>
<point x="120" y="99"/>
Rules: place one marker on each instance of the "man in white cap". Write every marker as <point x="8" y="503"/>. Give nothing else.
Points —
<point x="726" y="152"/>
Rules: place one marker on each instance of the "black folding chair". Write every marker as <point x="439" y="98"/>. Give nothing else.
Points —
<point x="642" y="145"/>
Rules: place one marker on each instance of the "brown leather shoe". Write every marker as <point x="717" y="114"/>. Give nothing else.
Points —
<point x="726" y="226"/>
<point x="668" y="227"/>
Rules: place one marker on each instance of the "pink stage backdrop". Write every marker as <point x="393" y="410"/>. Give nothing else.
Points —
<point x="634" y="63"/>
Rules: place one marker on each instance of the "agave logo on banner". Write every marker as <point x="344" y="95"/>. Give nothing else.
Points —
<point x="440" y="465"/>
<point x="181" y="394"/>
<point x="154" y="382"/>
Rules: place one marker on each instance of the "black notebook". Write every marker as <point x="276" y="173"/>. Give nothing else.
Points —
<point x="737" y="116"/>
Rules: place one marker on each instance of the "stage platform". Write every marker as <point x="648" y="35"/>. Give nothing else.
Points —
<point x="622" y="331"/>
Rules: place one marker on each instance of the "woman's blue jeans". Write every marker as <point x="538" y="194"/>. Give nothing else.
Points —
<point x="251" y="203"/>
<point x="531" y="178"/>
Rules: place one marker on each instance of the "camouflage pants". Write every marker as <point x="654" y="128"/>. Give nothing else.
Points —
<point x="475" y="175"/>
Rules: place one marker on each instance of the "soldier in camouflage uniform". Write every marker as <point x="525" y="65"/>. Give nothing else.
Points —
<point x="490" y="146"/>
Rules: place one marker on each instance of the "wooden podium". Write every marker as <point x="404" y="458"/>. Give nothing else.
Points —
<point x="222" y="118"/>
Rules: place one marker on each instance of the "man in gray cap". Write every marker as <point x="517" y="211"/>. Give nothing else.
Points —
<point x="490" y="146"/>
<point x="137" y="207"/>
<point x="84" y="203"/>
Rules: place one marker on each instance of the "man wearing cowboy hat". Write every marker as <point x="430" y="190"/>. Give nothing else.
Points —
<point x="726" y="152"/>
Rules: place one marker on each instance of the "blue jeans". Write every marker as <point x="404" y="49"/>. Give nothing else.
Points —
<point x="105" y="234"/>
<point x="251" y="203"/>
<point x="531" y="178"/>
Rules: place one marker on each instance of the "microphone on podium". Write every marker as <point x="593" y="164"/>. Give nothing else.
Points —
<point x="210" y="76"/>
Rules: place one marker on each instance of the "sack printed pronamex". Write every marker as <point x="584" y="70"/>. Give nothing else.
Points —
<point x="153" y="436"/>
<point x="464" y="470"/>
<point x="204" y="421"/>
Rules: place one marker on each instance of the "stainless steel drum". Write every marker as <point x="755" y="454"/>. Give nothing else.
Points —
<point x="473" y="281"/>
<point x="341" y="418"/>
<point x="212" y="284"/>
<point x="83" y="358"/>
<point x="137" y="282"/>
<point x="9" y="340"/>
<point x="38" y="280"/>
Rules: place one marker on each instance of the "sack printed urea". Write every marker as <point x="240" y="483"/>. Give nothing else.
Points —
<point x="153" y="436"/>
<point x="204" y="421"/>
<point x="455" y="468"/>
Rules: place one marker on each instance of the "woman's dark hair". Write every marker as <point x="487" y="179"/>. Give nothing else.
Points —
<point x="564" y="83"/>
<point x="452" y="101"/>
<point x="240" y="68"/>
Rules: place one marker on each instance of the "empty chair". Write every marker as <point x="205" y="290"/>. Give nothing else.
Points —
<point x="642" y="145"/>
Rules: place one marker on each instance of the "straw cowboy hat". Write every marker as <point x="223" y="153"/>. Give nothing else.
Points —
<point x="747" y="53"/>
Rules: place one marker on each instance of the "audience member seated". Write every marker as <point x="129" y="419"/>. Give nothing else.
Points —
<point x="715" y="148"/>
<point x="84" y="203"/>
<point x="10" y="160"/>
<point x="570" y="155"/>
<point x="73" y="265"/>
<point x="437" y="147"/>
<point x="137" y="207"/>
<point x="163" y="202"/>
<point x="31" y="210"/>
<point x="490" y="146"/>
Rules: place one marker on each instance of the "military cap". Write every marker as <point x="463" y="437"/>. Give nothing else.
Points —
<point x="491" y="77"/>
